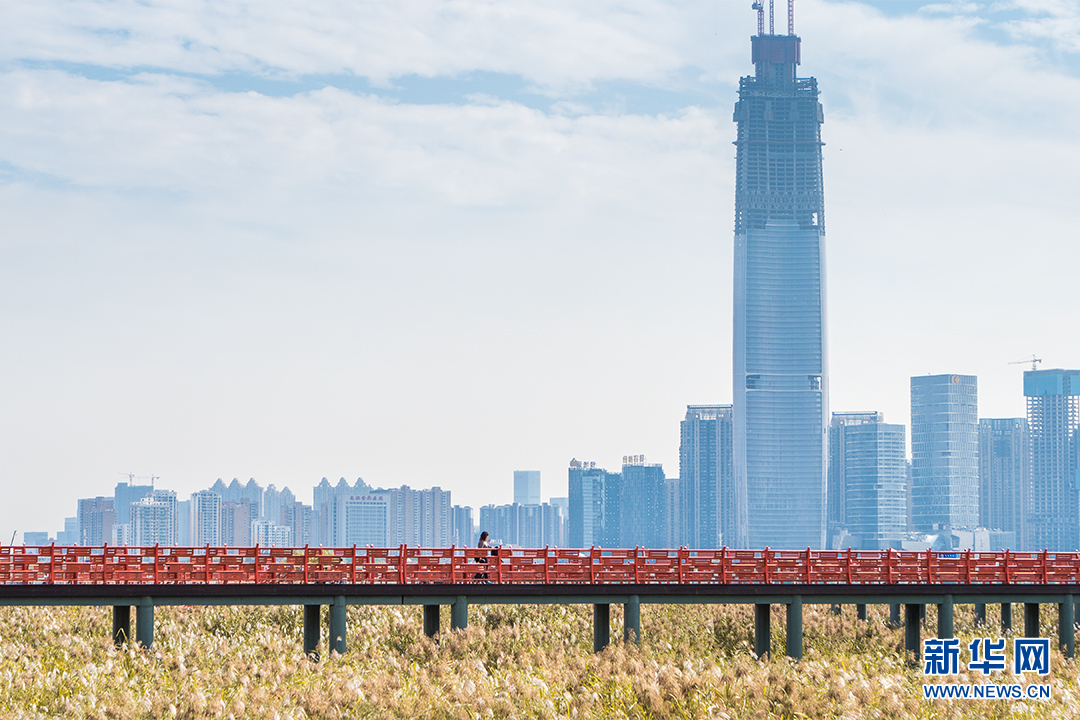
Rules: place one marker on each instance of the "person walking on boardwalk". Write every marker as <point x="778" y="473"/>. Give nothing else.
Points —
<point x="483" y="543"/>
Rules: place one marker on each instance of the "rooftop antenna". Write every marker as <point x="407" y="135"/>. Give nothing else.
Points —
<point x="771" y="9"/>
<point x="760" y="17"/>
<point x="790" y="17"/>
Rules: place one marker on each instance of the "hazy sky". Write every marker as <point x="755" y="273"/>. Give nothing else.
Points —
<point x="432" y="243"/>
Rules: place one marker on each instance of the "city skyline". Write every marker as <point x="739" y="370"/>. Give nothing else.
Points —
<point x="339" y="251"/>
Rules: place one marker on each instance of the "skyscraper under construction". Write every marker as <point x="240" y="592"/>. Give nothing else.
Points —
<point x="780" y="365"/>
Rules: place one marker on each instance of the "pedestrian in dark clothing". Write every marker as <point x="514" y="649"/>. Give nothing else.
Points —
<point x="482" y="544"/>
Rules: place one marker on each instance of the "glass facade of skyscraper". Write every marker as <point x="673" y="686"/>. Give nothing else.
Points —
<point x="944" y="452"/>
<point x="780" y="365"/>
<point x="1053" y="507"/>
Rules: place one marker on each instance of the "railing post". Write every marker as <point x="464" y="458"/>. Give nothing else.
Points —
<point x="945" y="618"/>
<point x="403" y="563"/>
<point x="52" y="564"/>
<point x="353" y="560"/>
<point x="311" y="630"/>
<point x="256" y="563"/>
<point x="144" y="623"/>
<point x="1006" y="617"/>
<point x="431" y="620"/>
<point x="1031" y="620"/>
<point x="912" y="631"/>
<point x="765" y="559"/>
<point x="794" y="627"/>
<point x="338" y="627"/>
<point x="121" y="624"/>
<point x="459" y="613"/>
<point x="632" y="620"/>
<point x="762" y="630"/>
<point x="305" y="563"/>
<point x="1066" y="627"/>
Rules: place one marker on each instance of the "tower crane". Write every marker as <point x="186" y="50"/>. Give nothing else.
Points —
<point x="1033" y="360"/>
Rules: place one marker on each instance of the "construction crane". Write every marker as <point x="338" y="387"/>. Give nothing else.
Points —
<point x="1033" y="360"/>
<point x="759" y="5"/>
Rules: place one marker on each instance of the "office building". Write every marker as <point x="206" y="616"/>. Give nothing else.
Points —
<point x="944" y="452"/>
<point x="875" y="484"/>
<point x="36" y="537"/>
<point x="1053" y="414"/>
<point x="126" y="493"/>
<point x="706" y="488"/>
<point x="527" y="487"/>
<point x="641" y="508"/>
<point x="780" y="364"/>
<point x="70" y="534"/>
<point x="835" y="515"/>
<point x="1004" y="462"/>
<point x="462" y="532"/>
<point x="589" y="499"/>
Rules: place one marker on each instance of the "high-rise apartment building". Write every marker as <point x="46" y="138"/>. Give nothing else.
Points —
<point x="875" y="484"/>
<point x="1004" y="463"/>
<point x="152" y="519"/>
<point x="944" y="452"/>
<point x="706" y="489"/>
<point x="527" y="487"/>
<point x="96" y="518"/>
<point x="1053" y="414"/>
<point x="126" y="493"/>
<point x="836" y="513"/>
<point x="205" y="518"/>
<point x="780" y="364"/>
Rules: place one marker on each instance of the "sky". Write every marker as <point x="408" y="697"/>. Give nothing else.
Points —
<point x="433" y="243"/>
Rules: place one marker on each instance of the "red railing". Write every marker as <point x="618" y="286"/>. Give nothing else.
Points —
<point x="66" y="565"/>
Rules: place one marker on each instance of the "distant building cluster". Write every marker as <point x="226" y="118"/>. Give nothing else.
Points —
<point x="970" y="482"/>
<point x="236" y="515"/>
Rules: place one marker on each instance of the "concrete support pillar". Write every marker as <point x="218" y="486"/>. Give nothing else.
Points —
<point x="459" y="613"/>
<point x="1006" y="617"/>
<point x="338" y="629"/>
<point x="894" y="615"/>
<point x="913" y="630"/>
<point x="945" y="618"/>
<point x="762" y="630"/>
<point x="601" y="629"/>
<point x="794" y="628"/>
<point x="431" y="620"/>
<point x="632" y="620"/>
<point x="980" y="614"/>
<point x="144" y="623"/>
<point x="121" y="624"/>
<point x="1031" y="620"/>
<point x="860" y="612"/>
<point x="311" y="630"/>
<point x="1066" y="627"/>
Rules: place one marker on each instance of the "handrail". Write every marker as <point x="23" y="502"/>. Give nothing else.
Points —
<point x="104" y="565"/>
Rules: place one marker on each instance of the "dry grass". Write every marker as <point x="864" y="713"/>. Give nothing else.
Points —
<point x="513" y="662"/>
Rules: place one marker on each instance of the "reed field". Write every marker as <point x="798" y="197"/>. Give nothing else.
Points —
<point x="512" y="662"/>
